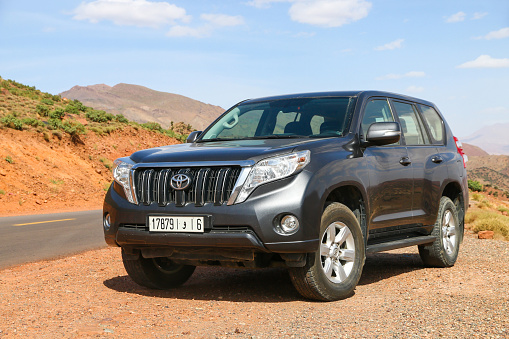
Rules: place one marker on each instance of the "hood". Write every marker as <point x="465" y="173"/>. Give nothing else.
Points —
<point x="235" y="150"/>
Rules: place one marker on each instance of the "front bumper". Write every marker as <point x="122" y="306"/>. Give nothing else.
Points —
<point x="249" y="225"/>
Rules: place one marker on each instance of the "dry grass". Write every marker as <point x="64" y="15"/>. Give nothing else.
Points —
<point x="488" y="220"/>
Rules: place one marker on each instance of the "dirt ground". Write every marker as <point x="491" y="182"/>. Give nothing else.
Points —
<point x="90" y="296"/>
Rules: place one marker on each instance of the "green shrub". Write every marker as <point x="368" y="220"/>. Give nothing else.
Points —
<point x="33" y="122"/>
<point x="43" y="110"/>
<point x="54" y="124"/>
<point x="152" y="126"/>
<point x="9" y="159"/>
<point x="120" y="118"/>
<point x="58" y="134"/>
<point x="12" y="121"/>
<point x="71" y="109"/>
<point x="58" y="113"/>
<point x="99" y="116"/>
<point x="474" y="186"/>
<point x="56" y="98"/>
<point x="503" y="209"/>
<point x="73" y="127"/>
<point x="47" y="101"/>
<point x="79" y="105"/>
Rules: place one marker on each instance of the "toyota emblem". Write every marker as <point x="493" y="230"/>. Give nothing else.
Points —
<point x="180" y="181"/>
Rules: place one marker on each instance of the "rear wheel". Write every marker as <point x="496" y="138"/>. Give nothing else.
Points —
<point x="158" y="273"/>
<point x="443" y="252"/>
<point x="333" y="271"/>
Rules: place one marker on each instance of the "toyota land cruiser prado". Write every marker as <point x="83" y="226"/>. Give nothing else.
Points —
<point x="312" y="182"/>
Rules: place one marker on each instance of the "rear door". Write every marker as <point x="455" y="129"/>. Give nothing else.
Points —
<point x="428" y="169"/>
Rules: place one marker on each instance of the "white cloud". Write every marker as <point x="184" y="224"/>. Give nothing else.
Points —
<point x="324" y="13"/>
<point x="479" y="15"/>
<point x="460" y="16"/>
<point x="391" y="45"/>
<point x="213" y="21"/>
<point x="329" y="13"/>
<point x="131" y="12"/>
<point x="223" y="19"/>
<point x="412" y="74"/>
<point x="500" y="34"/>
<point x="486" y="61"/>
<point x="415" y="89"/>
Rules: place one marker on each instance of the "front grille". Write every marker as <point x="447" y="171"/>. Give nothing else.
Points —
<point x="209" y="185"/>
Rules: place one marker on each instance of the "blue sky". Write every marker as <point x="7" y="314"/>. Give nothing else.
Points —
<point x="454" y="53"/>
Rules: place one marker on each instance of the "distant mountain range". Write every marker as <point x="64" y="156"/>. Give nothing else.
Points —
<point x="494" y="139"/>
<point x="143" y="104"/>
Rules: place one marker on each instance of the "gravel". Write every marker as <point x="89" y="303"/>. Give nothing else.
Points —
<point x="90" y="295"/>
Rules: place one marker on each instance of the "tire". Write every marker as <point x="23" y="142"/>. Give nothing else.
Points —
<point x="333" y="271"/>
<point x="157" y="273"/>
<point x="443" y="252"/>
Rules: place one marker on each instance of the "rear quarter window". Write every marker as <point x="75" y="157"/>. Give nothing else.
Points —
<point x="434" y="123"/>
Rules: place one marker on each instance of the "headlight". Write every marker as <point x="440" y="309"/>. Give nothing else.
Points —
<point x="122" y="175"/>
<point x="272" y="169"/>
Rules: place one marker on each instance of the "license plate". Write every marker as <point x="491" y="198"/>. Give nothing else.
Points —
<point x="176" y="224"/>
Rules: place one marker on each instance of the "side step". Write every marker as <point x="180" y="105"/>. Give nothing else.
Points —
<point x="391" y="245"/>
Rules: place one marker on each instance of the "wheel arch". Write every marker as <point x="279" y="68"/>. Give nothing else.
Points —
<point x="353" y="197"/>
<point x="454" y="192"/>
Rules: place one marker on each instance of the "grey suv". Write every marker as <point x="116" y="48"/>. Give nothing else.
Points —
<point x="312" y="182"/>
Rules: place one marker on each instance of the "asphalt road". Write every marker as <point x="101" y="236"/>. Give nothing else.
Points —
<point x="37" y="237"/>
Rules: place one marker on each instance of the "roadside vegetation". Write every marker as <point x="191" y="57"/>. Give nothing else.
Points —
<point x="487" y="212"/>
<point x="24" y="107"/>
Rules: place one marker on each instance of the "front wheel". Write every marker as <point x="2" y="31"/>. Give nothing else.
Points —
<point x="157" y="273"/>
<point x="333" y="271"/>
<point x="443" y="252"/>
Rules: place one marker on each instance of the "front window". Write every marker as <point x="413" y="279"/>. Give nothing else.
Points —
<point x="284" y="118"/>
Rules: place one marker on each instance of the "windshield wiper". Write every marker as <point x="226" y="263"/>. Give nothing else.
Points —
<point x="279" y="136"/>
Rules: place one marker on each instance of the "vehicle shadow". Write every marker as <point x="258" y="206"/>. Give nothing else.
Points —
<point x="384" y="265"/>
<point x="261" y="285"/>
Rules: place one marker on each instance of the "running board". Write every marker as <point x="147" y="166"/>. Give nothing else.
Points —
<point x="391" y="245"/>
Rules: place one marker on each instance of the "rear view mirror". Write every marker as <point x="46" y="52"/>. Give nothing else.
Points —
<point x="383" y="133"/>
<point x="193" y="136"/>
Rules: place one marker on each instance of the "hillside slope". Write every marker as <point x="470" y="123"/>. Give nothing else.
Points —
<point x="142" y="104"/>
<point x="490" y="169"/>
<point x="57" y="155"/>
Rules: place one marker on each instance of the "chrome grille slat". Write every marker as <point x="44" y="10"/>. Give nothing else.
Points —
<point x="209" y="185"/>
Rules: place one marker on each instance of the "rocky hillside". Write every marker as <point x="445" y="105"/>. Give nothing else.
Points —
<point x="57" y="154"/>
<point x="143" y="104"/>
<point x="490" y="169"/>
<point x="473" y="151"/>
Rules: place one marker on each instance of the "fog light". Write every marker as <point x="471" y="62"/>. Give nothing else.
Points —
<point x="289" y="224"/>
<point x="107" y="222"/>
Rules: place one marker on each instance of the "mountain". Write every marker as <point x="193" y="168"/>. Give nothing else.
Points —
<point x="494" y="139"/>
<point x="142" y="104"/>
<point x="473" y="151"/>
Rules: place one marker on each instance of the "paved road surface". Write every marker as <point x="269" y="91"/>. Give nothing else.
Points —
<point x="38" y="237"/>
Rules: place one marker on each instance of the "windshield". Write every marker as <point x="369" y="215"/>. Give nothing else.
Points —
<point x="284" y="118"/>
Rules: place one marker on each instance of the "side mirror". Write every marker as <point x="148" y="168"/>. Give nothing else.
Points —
<point x="193" y="136"/>
<point x="383" y="133"/>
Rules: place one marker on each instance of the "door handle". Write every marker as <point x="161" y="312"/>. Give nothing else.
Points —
<point x="437" y="159"/>
<point x="405" y="161"/>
